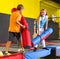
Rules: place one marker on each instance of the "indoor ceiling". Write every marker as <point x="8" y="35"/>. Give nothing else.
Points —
<point x="57" y="1"/>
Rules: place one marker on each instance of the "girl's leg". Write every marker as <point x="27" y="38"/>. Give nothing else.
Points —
<point x="43" y="43"/>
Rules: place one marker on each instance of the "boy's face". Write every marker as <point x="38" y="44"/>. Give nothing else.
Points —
<point x="22" y="10"/>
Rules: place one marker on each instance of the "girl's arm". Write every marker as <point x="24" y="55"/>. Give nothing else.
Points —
<point x="38" y="26"/>
<point x="46" y="22"/>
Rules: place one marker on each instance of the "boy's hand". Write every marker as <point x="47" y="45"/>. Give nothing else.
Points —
<point x="24" y="26"/>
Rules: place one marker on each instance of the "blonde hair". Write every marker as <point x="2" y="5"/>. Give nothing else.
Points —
<point x="41" y="12"/>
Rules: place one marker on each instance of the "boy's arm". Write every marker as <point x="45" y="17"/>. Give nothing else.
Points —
<point x="18" y="21"/>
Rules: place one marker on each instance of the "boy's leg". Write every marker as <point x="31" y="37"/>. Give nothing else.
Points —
<point x="19" y="38"/>
<point x="8" y="44"/>
<point x="21" y="45"/>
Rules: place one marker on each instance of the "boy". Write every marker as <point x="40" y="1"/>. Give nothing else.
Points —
<point x="14" y="26"/>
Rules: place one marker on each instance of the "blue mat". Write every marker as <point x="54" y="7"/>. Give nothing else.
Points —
<point x="57" y="49"/>
<point x="37" y="54"/>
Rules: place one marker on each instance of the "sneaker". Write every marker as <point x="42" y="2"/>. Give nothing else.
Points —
<point x="6" y="53"/>
<point x="31" y="48"/>
<point x="45" y="48"/>
<point x="34" y="49"/>
<point x="1" y="54"/>
<point x="21" y="50"/>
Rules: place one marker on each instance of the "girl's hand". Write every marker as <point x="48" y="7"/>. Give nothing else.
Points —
<point x="38" y="33"/>
<point x="46" y="28"/>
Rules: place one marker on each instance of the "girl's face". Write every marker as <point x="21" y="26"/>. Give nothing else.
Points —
<point x="43" y="13"/>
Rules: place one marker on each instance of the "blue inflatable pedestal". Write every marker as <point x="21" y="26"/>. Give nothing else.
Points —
<point x="37" y="54"/>
<point x="43" y="36"/>
<point x="36" y="40"/>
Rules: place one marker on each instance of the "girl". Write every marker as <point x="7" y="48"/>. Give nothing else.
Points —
<point x="42" y="20"/>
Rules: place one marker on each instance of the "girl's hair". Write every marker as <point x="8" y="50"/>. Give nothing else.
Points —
<point x="20" y="6"/>
<point x="41" y="12"/>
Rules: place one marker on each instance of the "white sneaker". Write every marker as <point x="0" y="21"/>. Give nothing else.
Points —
<point x="6" y="53"/>
<point x="21" y="50"/>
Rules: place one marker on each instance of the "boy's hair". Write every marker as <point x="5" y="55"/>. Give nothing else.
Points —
<point x="20" y="6"/>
